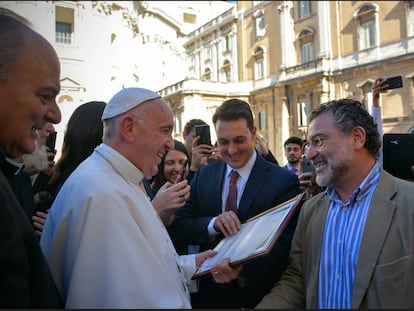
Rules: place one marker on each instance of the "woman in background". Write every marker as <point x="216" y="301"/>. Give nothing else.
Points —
<point x="83" y="133"/>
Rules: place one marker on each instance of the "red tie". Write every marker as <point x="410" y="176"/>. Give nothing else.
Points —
<point x="293" y="170"/>
<point x="231" y="202"/>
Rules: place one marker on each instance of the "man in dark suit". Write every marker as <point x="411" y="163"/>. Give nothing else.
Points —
<point x="29" y="83"/>
<point x="297" y="161"/>
<point x="204" y="220"/>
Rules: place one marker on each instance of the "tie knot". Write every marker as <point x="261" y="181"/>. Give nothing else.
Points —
<point x="234" y="175"/>
<point x="294" y="170"/>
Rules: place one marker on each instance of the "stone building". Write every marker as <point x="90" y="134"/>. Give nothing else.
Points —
<point x="283" y="57"/>
<point x="287" y="57"/>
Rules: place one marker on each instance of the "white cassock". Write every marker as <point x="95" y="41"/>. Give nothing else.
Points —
<point x="106" y="245"/>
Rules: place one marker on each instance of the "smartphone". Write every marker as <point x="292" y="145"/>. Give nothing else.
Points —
<point x="183" y="168"/>
<point x="394" y="82"/>
<point x="398" y="154"/>
<point x="51" y="141"/>
<point x="307" y="166"/>
<point x="204" y="132"/>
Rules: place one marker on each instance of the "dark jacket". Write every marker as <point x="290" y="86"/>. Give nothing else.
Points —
<point x="268" y="186"/>
<point x="25" y="279"/>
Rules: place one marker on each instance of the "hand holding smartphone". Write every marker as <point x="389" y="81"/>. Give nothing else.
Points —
<point x="393" y="82"/>
<point x="204" y="132"/>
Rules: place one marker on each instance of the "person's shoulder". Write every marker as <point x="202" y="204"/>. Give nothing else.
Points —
<point x="211" y="167"/>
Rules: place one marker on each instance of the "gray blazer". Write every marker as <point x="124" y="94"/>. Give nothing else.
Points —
<point x="384" y="275"/>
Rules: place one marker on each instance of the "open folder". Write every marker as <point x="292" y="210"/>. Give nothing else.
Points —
<point x="256" y="237"/>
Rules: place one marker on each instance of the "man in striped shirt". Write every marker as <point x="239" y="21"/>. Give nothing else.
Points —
<point x="354" y="243"/>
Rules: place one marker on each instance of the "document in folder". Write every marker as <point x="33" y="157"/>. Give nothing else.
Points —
<point x="256" y="237"/>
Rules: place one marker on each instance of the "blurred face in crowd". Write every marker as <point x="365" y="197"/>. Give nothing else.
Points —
<point x="44" y="133"/>
<point x="28" y="96"/>
<point x="173" y="163"/>
<point x="188" y="139"/>
<point x="235" y="141"/>
<point x="293" y="153"/>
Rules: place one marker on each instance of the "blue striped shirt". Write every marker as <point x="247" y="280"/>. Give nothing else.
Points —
<point x="341" y="240"/>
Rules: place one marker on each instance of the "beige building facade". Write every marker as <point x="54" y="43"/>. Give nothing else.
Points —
<point x="283" y="57"/>
<point x="291" y="56"/>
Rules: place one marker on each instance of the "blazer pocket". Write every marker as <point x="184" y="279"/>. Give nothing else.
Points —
<point x="392" y="284"/>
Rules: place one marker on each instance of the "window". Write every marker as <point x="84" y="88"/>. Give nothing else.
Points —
<point x="227" y="43"/>
<point x="306" y="52"/>
<point x="259" y="24"/>
<point x="410" y="18"/>
<point x="303" y="111"/>
<point x="305" y="38"/>
<point x="259" y="70"/>
<point x="227" y="71"/>
<point x="208" y="54"/>
<point x="207" y="74"/>
<point x="64" y="21"/>
<point x="189" y="18"/>
<point x="178" y="125"/>
<point x="262" y="120"/>
<point x="367" y="35"/>
<point x="63" y="33"/>
<point x="304" y="9"/>
<point x="366" y="17"/>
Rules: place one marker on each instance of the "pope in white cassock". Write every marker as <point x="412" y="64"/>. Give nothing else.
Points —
<point x="104" y="242"/>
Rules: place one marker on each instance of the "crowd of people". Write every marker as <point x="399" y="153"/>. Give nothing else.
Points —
<point x="127" y="214"/>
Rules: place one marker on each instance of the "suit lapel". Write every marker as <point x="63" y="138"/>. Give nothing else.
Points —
<point x="380" y="215"/>
<point x="257" y="179"/>
<point x="218" y="178"/>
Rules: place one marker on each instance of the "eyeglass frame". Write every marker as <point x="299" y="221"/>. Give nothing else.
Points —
<point x="316" y="141"/>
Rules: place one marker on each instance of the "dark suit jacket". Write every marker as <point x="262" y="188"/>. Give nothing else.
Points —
<point x="21" y="186"/>
<point x="268" y="186"/>
<point x="384" y="276"/>
<point x="25" y="279"/>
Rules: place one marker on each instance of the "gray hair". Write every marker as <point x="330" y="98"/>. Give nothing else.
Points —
<point x="348" y="114"/>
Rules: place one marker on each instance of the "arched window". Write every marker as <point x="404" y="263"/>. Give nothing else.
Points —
<point x="366" y="18"/>
<point x="306" y="39"/>
<point x="227" y="70"/>
<point x="259" y="69"/>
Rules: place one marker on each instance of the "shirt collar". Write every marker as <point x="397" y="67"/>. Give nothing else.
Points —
<point x="366" y="186"/>
<point x="8" y="166"/>
<point x="120" y="164"/>
<point x="18" y="166"/>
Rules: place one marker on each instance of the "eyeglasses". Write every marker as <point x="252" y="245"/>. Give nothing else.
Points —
<point x="316" y="141"/>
